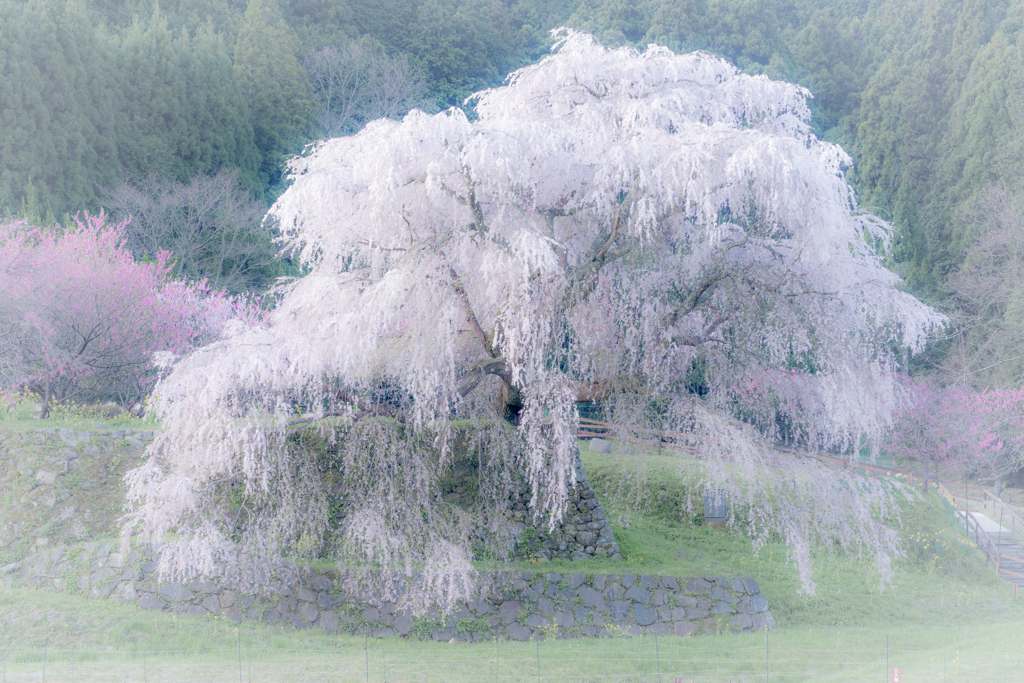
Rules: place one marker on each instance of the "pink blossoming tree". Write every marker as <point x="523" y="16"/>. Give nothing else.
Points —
<point x="995" y="437"/>
<point x="608" y="222"/>
<point x="975" y="433"/>
<point x="80" y="319"/>
<point x="926" y="428"/>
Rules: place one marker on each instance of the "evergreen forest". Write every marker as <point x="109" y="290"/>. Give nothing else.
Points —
<point x="176" y="108"/>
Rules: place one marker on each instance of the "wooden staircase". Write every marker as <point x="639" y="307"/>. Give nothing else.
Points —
<point x="997" y="530"/>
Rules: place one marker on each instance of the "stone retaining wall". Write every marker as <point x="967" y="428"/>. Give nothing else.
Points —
<point x="584" y="533"/>
<point x="517" y="605"/>
<point x="42" y="456"/>
<point x="62" y="486"/>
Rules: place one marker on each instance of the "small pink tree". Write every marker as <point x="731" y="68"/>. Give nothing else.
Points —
<point x="975" y="433"/>
<point x="993" y="433"/>
<point x="80" y="319"/>
<point x="925" y="429"/>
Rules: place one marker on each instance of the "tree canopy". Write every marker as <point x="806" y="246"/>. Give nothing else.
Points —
<point x="608" y="222"/>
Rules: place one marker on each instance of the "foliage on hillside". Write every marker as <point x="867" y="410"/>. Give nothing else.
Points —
<point x="92" y="94"/>
<point x="924" y="95"/>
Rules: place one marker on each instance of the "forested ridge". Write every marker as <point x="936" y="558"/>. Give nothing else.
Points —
<point x="97" y="96"/>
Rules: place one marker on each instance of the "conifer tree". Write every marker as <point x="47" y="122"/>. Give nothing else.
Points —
<point x="220" y="131"/>
<point x="273" y="84"/>
<point x="155" y="112"/>
<point x="55" y="107"/>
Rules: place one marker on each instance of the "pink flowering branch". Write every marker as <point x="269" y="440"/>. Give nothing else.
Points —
<point x="81" y="319"/>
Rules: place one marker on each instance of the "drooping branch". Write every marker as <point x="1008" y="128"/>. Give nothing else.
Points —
<point x="582" y="280"/>
<point x="690" y="300"/>
<point x="707" y="332"/>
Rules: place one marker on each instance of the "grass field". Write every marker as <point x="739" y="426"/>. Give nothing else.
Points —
<point x="90" y="640"/>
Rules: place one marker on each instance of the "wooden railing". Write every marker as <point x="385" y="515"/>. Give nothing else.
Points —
<point x="992" y="551"/>
<point x="658" y="438"/>
<point x="1006" y="514"/>
<point x="995" y="507"/>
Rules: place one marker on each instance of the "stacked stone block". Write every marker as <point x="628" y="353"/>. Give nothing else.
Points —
<point x="513" y="605"/>
<point x="585" y="533"/>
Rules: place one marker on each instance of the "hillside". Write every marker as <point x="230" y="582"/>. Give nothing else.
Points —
<point x="63" y="486"/>
<point x="923" y="95"/>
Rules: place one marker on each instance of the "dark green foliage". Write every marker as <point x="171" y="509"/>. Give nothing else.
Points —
<point x="90" y="94"/>
<point x="467" y="626"/>
<point x="82" y="106"/>
<point x="273" y="85"/>
<point x="183" y="112"/>
<point x="56" y="107"/>
<point x="225" y="15"/>
<point x="321" y="22"/>
<point x="938" y="124"/>
<point x="828" y="52"/>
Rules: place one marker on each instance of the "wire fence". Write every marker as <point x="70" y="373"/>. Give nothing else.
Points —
<point x="648" y="659"/>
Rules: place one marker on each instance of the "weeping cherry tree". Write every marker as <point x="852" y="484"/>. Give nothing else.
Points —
<point x="609" y="222"/>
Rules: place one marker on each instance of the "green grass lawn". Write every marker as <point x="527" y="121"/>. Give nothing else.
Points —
<point x="943" y="580"/>
<point x="99" y="640"/>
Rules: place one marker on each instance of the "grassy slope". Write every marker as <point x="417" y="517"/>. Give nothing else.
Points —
<point x="943" y="579"/>
<point x="940" y="603"/>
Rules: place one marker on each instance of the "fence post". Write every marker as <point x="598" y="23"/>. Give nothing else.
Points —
<point x="366" y="647"/>
<point x="999" y="551"/>
<point x="887" y="659"/>
<point x="538" y="659"/>
<point x="766" y="652"/>
<point x="657" y="657"/>
<point x="497" y="657"/>
<point x="45" y="642"/>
